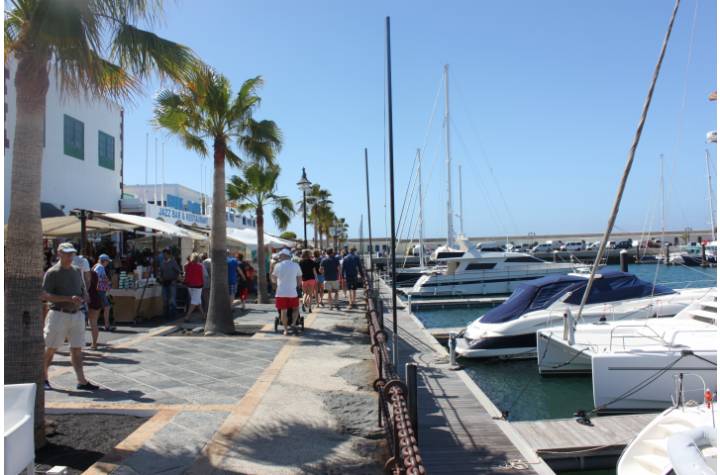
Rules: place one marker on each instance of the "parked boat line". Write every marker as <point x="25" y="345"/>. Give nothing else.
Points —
<point x="586" y="447"/>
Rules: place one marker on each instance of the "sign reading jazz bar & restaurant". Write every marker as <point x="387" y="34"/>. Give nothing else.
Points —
<point x="172" y="215"/>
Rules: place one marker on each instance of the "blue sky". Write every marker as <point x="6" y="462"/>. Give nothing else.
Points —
<point x="544" y="97"/>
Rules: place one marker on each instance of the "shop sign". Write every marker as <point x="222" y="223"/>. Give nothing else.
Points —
<point x="172" y="215"/>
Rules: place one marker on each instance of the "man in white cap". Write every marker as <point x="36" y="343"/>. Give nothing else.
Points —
<point x="64" y="289"/>
<point x="287" y="276"/>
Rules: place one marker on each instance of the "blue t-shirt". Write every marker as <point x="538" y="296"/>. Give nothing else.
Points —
<point x="350" y="266"/>
<point x="232" y="270"/>
<point x="330" y="268"/>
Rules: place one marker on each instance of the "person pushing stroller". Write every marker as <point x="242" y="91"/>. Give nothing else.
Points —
<point x="287" y="276"/>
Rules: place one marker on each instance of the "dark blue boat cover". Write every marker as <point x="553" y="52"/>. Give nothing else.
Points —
<point x="541" y="293"/>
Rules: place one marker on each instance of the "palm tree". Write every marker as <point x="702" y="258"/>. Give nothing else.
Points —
<point x="252" y="192"/>
<point x="341" y="231"/>
<point x="326" y="218"/>
<point x="95" y="50"/>
<point x="317" y="198"/>
<point x="201" y="112"/>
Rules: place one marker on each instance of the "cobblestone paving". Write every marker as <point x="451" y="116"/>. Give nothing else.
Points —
<point x="172" y="370"/>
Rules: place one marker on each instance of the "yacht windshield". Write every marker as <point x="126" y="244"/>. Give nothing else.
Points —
<point x="535" y="295"/>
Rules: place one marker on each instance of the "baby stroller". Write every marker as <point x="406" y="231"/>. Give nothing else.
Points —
<point x="301" y="317"/>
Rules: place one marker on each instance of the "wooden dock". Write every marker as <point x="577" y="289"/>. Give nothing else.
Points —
<point x="565" y="444"/>
<point x="460" y="431"/>
<point x="457" y="302"/>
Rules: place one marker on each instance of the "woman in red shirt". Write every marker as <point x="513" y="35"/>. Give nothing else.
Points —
<point x="194" y="284"/>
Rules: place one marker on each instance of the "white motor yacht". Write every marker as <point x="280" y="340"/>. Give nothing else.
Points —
<point x="509" y="330"/>
<point x="479" y="272"/>
<point x="682" y="440"/>
<point x="564" y="350"/>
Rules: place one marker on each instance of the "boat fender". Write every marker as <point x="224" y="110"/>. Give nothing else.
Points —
<point x="684" y="450"/>
<point x="708" y="398"/>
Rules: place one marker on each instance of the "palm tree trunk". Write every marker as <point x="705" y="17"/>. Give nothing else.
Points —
<point x="24" y="344"/>
<point x="219" y="318"/>
<point x="262" y="272"/>
<point x="315" y="233"/>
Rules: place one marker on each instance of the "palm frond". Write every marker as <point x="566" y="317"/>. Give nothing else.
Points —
<point x="281" y="218"/>
<point x="142" y="52"/>
<point x="232" y="158"/>
<point x="262" y="140"/>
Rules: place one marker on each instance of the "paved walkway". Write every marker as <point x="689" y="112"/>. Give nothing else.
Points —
<point x="243" y="404"/>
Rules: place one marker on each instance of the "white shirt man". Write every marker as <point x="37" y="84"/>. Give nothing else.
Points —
<point x="287" y="276"/>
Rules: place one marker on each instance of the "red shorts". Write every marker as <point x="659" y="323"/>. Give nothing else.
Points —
<point x="285" y="303"/>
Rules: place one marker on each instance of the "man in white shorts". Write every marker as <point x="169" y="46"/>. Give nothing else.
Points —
<point x="65" y="291"/>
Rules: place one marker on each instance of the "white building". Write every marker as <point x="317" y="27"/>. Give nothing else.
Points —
<point x="83" y="150"/>
<point x="177" y="204"/>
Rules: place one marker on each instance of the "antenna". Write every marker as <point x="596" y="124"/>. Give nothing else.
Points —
<point x="162" y="177"/>
<point x="155" y="197"/>
<point x="147" y="154"/>
<point x="448" y="160"/>
<point x="710" y="195"/>
<point x="460" y="205"/>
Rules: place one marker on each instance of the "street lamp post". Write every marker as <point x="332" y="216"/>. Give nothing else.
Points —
<point x="304" y="185"/>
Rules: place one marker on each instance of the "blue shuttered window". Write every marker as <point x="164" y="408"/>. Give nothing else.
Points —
<point x="106" y="150"/>
<point x="74" y="137"/>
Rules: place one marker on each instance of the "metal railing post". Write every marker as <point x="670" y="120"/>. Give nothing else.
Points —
<point x="411" y="383"/>
<point x="451" y="348"/>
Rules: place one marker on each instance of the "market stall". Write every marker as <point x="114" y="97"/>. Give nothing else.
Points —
<point x="136" y="293"/>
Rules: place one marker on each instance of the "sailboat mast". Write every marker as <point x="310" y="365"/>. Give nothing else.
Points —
<point x="448" y="160"/>
<point x="710" y="195"/>
<point x="420" y="199"/>
<point x="460" y="206"/>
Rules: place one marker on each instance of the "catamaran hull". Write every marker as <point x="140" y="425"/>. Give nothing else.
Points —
<point x="624" y="382"/>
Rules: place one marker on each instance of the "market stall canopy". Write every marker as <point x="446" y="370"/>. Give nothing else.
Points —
<point x="62" y="226"/>
<point x="248" y="237"/>
<point x="154" y="224"/>
<point x="275" y="241"/>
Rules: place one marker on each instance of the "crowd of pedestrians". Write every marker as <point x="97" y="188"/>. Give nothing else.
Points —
<point x="76" y="293"/>
<point x="301" y="280"/>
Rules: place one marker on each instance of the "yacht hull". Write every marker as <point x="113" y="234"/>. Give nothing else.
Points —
<point x="645" y="381"/>
<point x="474" y="283"/>
<point x="555" y="356"/>
<point x="513" y="346"/>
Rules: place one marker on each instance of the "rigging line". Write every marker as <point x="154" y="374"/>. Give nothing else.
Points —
<point x="662" y="218"/>
<point x="683" y="103"/>
<point x="408" y="215"/>
<point x="426" y="187"/>
<point x="411" y="178"/>
<point x="483" y="189"/>
<point x="484" y="154"/>
<point x="432" y="114"/>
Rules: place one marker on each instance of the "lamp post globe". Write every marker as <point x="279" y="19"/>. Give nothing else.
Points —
<point x="304" y="185"/>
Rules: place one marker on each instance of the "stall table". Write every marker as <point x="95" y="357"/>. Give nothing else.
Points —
<point x="130" y="305"/>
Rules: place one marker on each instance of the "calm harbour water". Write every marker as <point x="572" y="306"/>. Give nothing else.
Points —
<point x="516" y="386"/>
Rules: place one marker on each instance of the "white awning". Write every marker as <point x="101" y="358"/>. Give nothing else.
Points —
<point x="275" y="241"/>
<point x="248" y="237"/>
<point x="61" y="226"/>
<point x="156" y="225"/>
